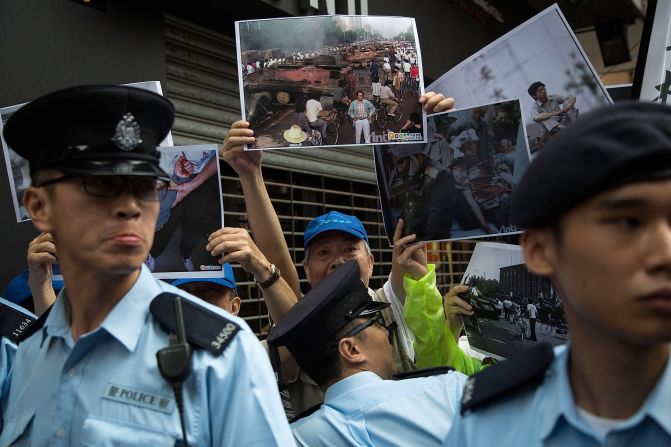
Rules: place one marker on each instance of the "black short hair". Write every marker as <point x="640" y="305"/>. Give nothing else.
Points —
<point x="300" y="107"/>
<point x="320" y="361"/>
<point x="387" y="83"/>
<point x="533" y="87"/>
<point x="360" y="91"/>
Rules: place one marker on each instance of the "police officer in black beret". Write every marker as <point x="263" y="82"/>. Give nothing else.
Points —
<point x="337" y="335"/>
<point x="122" y="358"/>
<point x="596" y="205"/>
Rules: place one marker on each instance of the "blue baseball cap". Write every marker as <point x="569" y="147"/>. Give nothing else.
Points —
<point x="17" y="290"/>
<point x="334" y="221"/>
<point x="227" y="281"/>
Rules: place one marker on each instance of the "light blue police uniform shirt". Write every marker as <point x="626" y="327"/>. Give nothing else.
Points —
<point x="364" y="410"/>
<point x="547" y="416"/>
<point x="106" y="390"/>
<point x="7" y="351"/>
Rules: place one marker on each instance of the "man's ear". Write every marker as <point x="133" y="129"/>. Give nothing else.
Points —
<point x="38" y="203"/>
<point x="235" y="305"/>
<point x="350" y="351"/>
<point x="539" y="247"/>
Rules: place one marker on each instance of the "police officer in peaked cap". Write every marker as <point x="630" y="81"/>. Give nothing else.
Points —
<point x="87" y="372"/>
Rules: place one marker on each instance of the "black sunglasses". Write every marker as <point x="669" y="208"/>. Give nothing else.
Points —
<point x="145" y="188"/>
<point x="376" y="318"/>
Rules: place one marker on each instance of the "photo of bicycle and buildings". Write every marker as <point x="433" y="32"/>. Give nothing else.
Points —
<point x="514" y="308"/>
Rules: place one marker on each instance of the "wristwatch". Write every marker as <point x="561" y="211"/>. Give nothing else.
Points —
<point x="271" y="279"/>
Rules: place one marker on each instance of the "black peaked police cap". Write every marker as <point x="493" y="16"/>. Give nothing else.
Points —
<point x="609" y="147"/>
<point x="325" y="309"/>
<point x="93" y="130"/>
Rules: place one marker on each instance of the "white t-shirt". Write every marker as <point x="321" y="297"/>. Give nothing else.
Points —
<point x="376" y="86"/>
<point x="312" y="109"/>
<point x="602" y="426"/>
<point x="531" y="309"/>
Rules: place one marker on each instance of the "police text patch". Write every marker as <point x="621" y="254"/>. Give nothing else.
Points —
<point x="139" y="398"/>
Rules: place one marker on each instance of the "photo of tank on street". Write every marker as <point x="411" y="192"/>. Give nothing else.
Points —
<point x="330" y="80"/>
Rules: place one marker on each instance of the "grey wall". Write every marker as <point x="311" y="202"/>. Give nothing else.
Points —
<point x="50" y="44"/>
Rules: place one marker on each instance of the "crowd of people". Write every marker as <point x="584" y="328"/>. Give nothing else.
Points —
<point x="121" y="358"/>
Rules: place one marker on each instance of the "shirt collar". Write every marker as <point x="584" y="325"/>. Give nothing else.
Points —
<point x="658" y="405"/>
<point x="124" y="322"/>
<point x="559" y="399"/>
<point x="350" y="383"/>
<point x="555" y="385"/>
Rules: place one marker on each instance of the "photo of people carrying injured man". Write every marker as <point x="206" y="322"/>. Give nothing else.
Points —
<point x="190" y="211"/>
<point x="514" y="308"/>
<point x="540" y="62"/>
<point x="330" y="80"/>
<point x="459" y="184"/>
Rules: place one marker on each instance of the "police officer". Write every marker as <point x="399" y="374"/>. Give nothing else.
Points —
<point x="338" y="336"/>
<point x="88" y="372"/>
<point x="596" y="205"/>
<point x="14" y="320"/>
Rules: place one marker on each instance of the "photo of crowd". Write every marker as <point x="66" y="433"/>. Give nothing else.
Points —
<point x="190" y="211"/>
<point x="514" y="308"/>
<point x="330" y="80"/>
<point x="542" y="63"/>
<point x="459" y="184"/>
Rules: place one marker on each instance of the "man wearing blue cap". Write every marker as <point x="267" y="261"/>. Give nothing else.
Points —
<point x="338" y="335"/>
<point x="122" y="358"/>
<point x="220" y="292"/>
<point x="339" y="237"/>
<point x="596" y="207"/>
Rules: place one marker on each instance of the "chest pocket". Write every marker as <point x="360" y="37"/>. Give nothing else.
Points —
<point x="16" y="432"/>
<point x="99" y="432"/>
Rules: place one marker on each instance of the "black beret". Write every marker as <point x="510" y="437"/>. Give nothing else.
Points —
<point x="607" y="148"/>
<point x="325" y="309"/>
<point x="93" y="130"/>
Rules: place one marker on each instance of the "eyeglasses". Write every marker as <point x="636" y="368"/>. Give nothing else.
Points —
<point x="376" y="318"/>
<point x="150" y="189"/>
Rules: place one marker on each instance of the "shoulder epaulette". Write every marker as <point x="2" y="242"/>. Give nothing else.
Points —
<point x="523" y="370"/>
<point x="204" y="329"/>
<point x="426" y="372"/>
<point x="305" y="413"/>
<point x="14" y="323"/>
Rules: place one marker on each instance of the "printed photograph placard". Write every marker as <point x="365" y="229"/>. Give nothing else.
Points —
<point x="331" y="81"/>
<point x="17" y="167"/>
<point x="652" y="78"/>
<point x="191" y="210"/>
<point x="514" y="309"/>
<point x="540" y="62"/>
<point x="459" y="185"/>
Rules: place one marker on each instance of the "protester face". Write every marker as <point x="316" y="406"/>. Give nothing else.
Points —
<point x="332" y="249"/>
<point x="612" y="264"/>
<point x="214" y="294"/>
<point x="359" y="96"/>
<point x="541" y="93"/>
<point x="111" y="235"/>
<point x="470" y="150"/>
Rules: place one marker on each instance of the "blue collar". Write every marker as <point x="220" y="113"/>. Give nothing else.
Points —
<point x="350" y="383"/>
<point x="124" y="322"/>
<point x="559" y="403"/>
